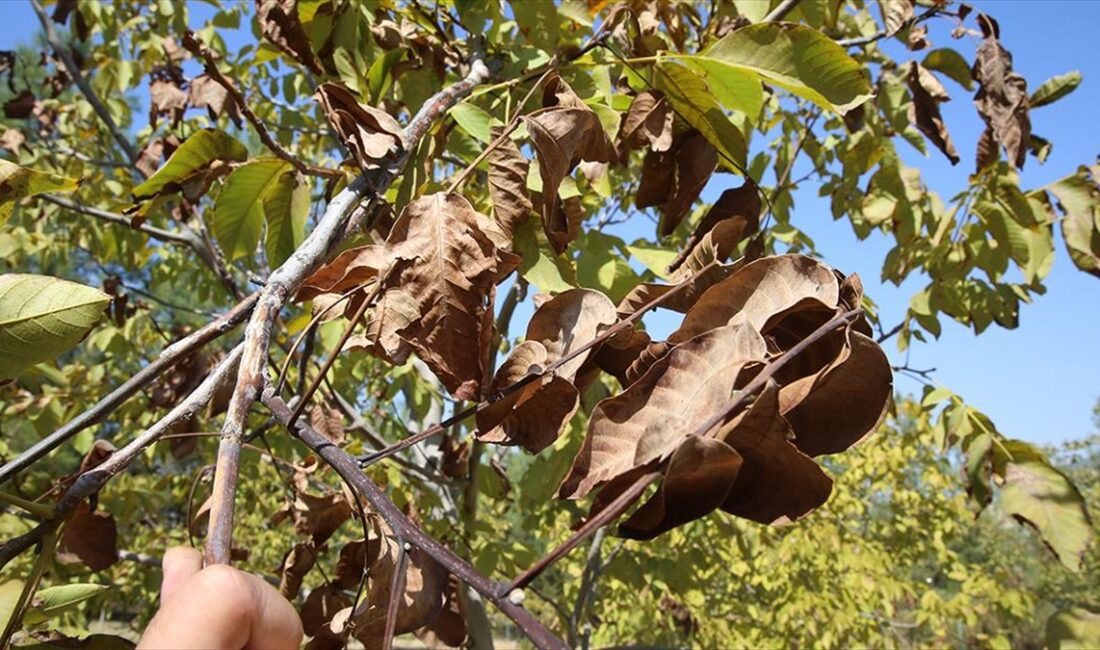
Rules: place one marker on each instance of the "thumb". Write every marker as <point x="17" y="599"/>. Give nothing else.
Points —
<point x="179" y="564"/>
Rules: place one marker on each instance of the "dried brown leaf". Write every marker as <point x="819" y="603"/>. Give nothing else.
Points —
<point x="370" y="134"/>
<point x="425" y="580"/>
<point x="777" y="482"/>
<point x="649" y="420"/>
<point x="563" y="134"/>
<point x="732" y="218"/>
<point x="924" y="112"/>
<point x="1002" y="99"/>
<point x="758" y="290"/>
<point x="91" y="538"/>
<point x="279" y="23"/>
<point x="204" y="92"/>
<point x="166" y="98"/>
<point x="508" y="185"/>
<point x="699" y="476"/>
<point x="320" y="516"/>
<point x="533" y="417"/>
<point x="647" y="123"/>
<point x="296" y="564"/>
<point x="329" y="422"/>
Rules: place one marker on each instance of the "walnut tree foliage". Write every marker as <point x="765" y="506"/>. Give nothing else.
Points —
<point x="356" y="291"/>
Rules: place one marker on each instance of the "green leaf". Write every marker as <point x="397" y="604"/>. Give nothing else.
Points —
<point x="735" y="88"/>
<point x="51" y="601"/>
<point x="1054" y="89"/>
<point x="239" y="208"/>
<point x="20" y="182"/>
<point x="42" y="317"/>
<point x="1079" y="197"/>
<point x="693" y="100"/>
<point x="798" y="58"/>
<point x="935" y="396"/>
<point x="655" y="258"/>
<point x="950" y="63"/>
<point x="1075" y="628"/>
<point x="9" y="600"/>
<point x="1039" y="494"/>
<point x="194" y="155"/>
<point x="473" y="120"/>
<point x="550" y="272"/>
<point x="379" y="77"/>
<point x="286" y="208"/>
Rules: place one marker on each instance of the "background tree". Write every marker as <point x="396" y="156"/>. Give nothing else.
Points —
<point x="440" y="227"/>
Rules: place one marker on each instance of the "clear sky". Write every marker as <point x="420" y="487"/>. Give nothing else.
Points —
<point x="1038" y="382"/>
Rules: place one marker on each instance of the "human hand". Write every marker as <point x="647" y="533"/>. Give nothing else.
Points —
<point x="218" y="607"/>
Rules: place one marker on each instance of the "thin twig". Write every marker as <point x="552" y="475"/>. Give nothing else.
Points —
<point x="877" y="36"/>
<point x="91" y="481"/>
<point x="781" y="10"/>
<point x="303" y="402"/>
<point x="397" y="593"/>
<point x="617" y="328"/>
<point x="98" y="106"/>
<point x="174" y="237"/>
<point x="168" y="357"/>
<point x="196" y="47"/>
<point x="345" y="465"/>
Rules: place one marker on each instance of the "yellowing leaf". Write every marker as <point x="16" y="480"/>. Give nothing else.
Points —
<point x="1039" y="494"/>
<point x="693" y="99"/>
<point x="52" y="601"/>
<point x="20" y="182"/>
<point x="42" y="317"/>
<point x="192" y="157"/>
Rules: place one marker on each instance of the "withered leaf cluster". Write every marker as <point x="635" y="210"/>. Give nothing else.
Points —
<point x="757" y="465"/>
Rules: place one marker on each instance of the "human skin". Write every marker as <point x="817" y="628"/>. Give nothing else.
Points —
<point x="218" y="607"/>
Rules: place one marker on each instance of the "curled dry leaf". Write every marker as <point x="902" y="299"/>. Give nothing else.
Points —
<point x="320" y="516"/>
<point x="425" y="580"/>
<point x="437" y="268"/>
<point x="370" y="134"/>
<point x="448" y="630"/>
<point x="674" y="180"/>
<point x="732" y="218"/>
<point x="1002" y="98"/>
<point x="508" y="185"/>
<point x="204" y="92"/>
<point x="647" y="123"/>
<point x="91" y="538"/>
<point x="648" y="421"/>
<point x="533" y="417"/>
<point x="329" y="422"/>
<point x="563" y="134"/>
<point x="279" y="23"/>
<point x="296" y="564"/>
<point x="924" y="112"/>
<point x="166" y="98"/>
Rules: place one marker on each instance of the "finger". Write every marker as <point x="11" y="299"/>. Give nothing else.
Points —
<point x="276" y="623"/>
<point x="179" y="563"/>
<point x="211" y="610"/>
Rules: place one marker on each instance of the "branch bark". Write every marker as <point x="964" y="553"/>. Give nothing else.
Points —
<point x="168" y="357"/>
<point x="94" y="479"/>
<point x="281" y="285"/>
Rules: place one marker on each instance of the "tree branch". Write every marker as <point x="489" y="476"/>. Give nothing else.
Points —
<point x="196" y="47"/>
<point x="282" y="284"/>
<point x="170" y="236"/>
<point x="349" y="471"/>
<point x="94" y="479"/>
<point x="781" y="10"/>
<point x="878" y="36"/>
<point x="78" y="77"/>
<point x="168" y="357"/>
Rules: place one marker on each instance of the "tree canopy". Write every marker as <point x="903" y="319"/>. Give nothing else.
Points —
<point x="357" y="292"/>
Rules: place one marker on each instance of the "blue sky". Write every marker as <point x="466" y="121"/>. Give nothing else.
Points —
<point x="1038" y="382"/>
